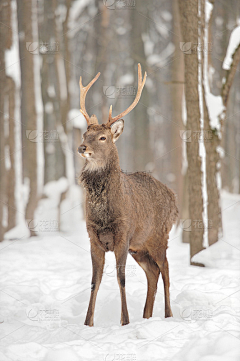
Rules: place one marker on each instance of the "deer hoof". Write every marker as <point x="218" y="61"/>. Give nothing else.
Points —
<point x="88" y="323"/>
<point x="124" y="323"/>
<point x="168" y="314"/>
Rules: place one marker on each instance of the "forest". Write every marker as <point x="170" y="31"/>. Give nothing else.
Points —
<point x="184" y="131"/>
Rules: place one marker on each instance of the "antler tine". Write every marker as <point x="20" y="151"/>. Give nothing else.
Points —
<point x="141" y="83"/>
<point x="83" y="93"/>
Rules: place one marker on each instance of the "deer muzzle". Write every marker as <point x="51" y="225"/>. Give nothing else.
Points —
<point x="81" y="149"/>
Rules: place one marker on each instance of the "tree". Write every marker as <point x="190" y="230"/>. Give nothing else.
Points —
<point x="11" y="173"/>
<point x="28" y="103"/>
<point x="176" y="89"/>
<point x="54" y="164"/>
<point x="8" y="131"/>
<point x="213" y="131"/>
<point x="211" y="142"/>
<point x="4" y="45"/>
<point x="189" y="27"/>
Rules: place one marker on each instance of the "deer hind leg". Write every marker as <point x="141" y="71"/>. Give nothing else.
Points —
<point x="98" y="260"/>
<point x="152" y="273"/>
<point x="162" y="262"/>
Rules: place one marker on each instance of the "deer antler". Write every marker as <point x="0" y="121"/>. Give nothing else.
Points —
<point x="141" y="83"/>
<point x="83" y="93"/>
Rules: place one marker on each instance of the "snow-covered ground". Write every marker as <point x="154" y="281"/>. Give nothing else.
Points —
<point x="45" y="288"/>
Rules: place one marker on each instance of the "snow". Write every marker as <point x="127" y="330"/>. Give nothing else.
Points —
<point x="166" y="15"/>
<point x="208" y="11"/>
<point x="232" y="46"/>
<point x="76" y="10"/>
<point x="215" y="108"/>
<point x="162" y="58"/>
<point x="126" y="79"/>
<point x="218" y="255"/>
<point x="148" y="44"/>
<point x="45" y="288"/>
<point x="77" y="119"/>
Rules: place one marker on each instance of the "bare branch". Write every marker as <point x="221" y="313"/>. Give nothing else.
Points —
<point x="230" y="75"/>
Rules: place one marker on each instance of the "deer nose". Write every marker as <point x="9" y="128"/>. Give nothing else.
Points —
<point x="82" y="148"/>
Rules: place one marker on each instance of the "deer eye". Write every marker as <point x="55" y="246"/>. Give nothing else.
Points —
<point x="102" y="138"/>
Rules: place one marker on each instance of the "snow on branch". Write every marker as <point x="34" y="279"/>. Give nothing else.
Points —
<point x="233" y="44"/>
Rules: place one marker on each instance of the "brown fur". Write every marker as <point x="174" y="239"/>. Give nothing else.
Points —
<point x="125" y="213"/>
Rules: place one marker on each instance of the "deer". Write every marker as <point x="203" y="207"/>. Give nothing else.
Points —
<point x="125" y="212"/>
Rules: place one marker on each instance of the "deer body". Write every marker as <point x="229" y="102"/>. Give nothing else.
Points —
<point x="138" y="202"/>
<point x="125" y="213"/>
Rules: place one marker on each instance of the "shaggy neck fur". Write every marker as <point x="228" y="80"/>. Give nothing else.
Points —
<point x="102" y="187"/>
<point x="97" y="181"/>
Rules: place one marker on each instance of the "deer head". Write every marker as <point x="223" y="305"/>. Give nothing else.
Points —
<point x="98" y="141"/>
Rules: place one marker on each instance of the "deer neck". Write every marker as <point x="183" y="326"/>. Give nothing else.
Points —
<point x="98" y="183"/>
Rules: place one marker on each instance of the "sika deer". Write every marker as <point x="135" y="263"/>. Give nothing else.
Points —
<point x="124" y="212"/>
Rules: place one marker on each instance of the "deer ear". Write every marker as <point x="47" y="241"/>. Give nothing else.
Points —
<point x="117" y="129"/>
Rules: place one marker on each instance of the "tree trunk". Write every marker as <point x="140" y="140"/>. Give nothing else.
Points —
<point x="189" y="26"/>
<point x="11" y="174"/>
<point x="142" y="155"/>
<point x="28" y="103"/>
<point x="54" y="162"/>
<point x="176" y="88"/>
<point x="22" y="49"/>
<point x="3" y="42"/>
<point x="185" y="210"/>
<point x="211" y="142"/>
<point x="229" y="166"/>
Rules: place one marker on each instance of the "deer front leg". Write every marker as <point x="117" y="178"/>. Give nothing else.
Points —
<point x="98" y="259"/>
<point x="121" y="252"/>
